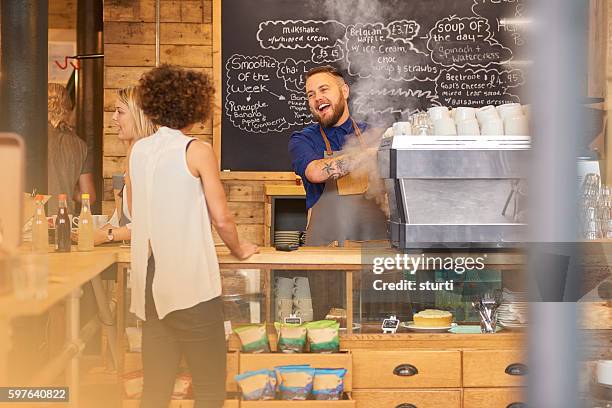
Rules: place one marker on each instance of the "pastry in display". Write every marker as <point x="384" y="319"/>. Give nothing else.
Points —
<point x="432" y="318"/>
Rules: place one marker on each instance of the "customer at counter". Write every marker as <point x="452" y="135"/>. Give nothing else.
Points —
<point x="338" y="210"/>
<point x="69" y="165"/>
<point x="174" y="193"/>
<point x="132" y="125"/>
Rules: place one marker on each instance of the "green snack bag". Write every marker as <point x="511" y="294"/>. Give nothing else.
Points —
<point x="253" y="338"/>
<point x="291" y="337"/>
<point x="323" y="336"/>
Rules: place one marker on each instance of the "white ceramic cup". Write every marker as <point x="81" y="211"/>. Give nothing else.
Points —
<point x="516" y="125"/>
<point x="486" y="113"/>
<point x="509" y="109"/>
<point x="402" y="129"/>
<point x="438" y="112"/>
<point x="527" y="112"/>
<point x="444" y="127"/>
<point x="74" y="220"/>
<point x="100" y="220"/>
<point x="492" y="127"/>
<point x="604" y="372"/>
<point x="468" y="127"/>
<point x="463" y="113"/>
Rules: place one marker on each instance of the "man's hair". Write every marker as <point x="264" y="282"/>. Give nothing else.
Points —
<point x="59" y="106"/>
<point x="175" y="97"/>
<point x="324" y="69"/>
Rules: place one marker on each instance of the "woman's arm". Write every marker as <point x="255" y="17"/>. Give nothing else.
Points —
<point x="202" y="163"/>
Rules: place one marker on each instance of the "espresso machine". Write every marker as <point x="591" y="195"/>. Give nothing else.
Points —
<point x="455" y="191"/>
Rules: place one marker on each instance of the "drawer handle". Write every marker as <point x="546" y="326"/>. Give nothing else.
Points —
<point x="406" y="405"/>
<point x="517" y="405"/>
<point x="405" y="370"/>
<point x="517" y="369"/>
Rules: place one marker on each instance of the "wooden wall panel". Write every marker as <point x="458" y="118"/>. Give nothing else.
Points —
<point x="186" y="39"/>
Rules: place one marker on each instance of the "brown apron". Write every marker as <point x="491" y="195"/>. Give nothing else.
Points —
<point x="347" y="217"/>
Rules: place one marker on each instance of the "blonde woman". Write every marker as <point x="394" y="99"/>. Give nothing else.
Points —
<point x="132" y="125"/>
<point x="70" y="169"/>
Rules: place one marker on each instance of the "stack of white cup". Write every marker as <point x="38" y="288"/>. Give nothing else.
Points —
<point x="508" y="119"/>
<point x="511" y="119"/>
<point x="293" y="297"/>
<point x="283" y="291"/>
<point x="302" y="299"/>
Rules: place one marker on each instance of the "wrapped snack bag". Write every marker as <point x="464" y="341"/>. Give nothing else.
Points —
<point x="323" y="336"/>
<point x="328" y="383"/>
<point x="253" y="338"/>
<point x="132" y="384"/>
<point x="182" y="386"/>
<point x="296" y="382"/>
<point x="257" y="385"/>
<point x="291" y="337"/>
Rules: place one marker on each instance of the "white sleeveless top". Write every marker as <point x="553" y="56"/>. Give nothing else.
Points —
<point x="169" y="211"/>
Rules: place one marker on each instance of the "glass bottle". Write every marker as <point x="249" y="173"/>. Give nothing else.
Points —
<point x="63" y="241"/>
<point x="86" y="241"/>
<point x="40" y="229"/>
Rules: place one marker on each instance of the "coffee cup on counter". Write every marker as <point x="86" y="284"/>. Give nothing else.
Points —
<point x="487" y="113"/>
<point x="402" y="129"/>
<point x="100" y="220"/>
<point x="492" y="127"/>
<point x="444" y="127"/>
<point x="516" y="125"/>
<point x="604" y="372"/>
<point x="509" y="109"/>
<point x="464" y="113"/>
<point x="468" y="127"/>
<point x="438" y="112"/>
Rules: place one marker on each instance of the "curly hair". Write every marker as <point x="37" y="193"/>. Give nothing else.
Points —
<point x="175" y="97"/>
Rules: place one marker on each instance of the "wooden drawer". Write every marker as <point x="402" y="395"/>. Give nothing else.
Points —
<point x="493" y="368"/>
<point x="250" y="362"/>
<point x="493" y="397"/>
<point x="392" y="369"/>
<point x="411" y="399"/>
<point x="133" y="362"/>
<point x="347" y="403"/>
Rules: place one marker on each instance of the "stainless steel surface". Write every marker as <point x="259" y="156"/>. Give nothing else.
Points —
<point x="454" y="191"/>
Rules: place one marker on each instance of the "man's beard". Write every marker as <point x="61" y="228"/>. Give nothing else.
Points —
<point x="338" y="108"/>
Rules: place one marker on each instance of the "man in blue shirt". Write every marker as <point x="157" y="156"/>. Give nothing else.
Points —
<point x="334" y="216"/>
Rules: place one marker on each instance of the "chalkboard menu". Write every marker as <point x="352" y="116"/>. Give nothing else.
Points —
<point x="398" y="56"/>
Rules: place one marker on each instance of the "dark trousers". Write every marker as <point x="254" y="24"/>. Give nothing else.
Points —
<point x="197" y="334"/>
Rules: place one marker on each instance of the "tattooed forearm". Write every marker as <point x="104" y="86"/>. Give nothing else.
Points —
<point x="335" y="168"/>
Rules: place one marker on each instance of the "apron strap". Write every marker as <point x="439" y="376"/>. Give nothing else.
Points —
<point x="356" y="129"/>
<point x="328" y="150"/>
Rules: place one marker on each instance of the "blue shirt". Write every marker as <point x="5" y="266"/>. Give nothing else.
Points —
<point x="308" y="145"/>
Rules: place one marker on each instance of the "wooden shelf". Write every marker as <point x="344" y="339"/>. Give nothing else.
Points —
<point x="284" y="190"/>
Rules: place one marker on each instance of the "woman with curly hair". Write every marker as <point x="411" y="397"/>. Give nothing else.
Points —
<point x="175" y="194"/>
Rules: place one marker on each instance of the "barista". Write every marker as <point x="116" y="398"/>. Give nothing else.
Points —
<point x="338" y="209"/>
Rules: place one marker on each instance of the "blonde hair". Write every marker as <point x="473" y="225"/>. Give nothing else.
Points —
<point x="59" y="106"/>
<point x="143" y="126"/>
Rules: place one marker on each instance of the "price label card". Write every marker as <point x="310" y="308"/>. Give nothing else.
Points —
<point x="293" y="319"/>
<point x="390" y="325"/>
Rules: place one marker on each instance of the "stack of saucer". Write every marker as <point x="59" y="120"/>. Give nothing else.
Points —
<point x="287" y="237"/>
<point x="513" y="311"/>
